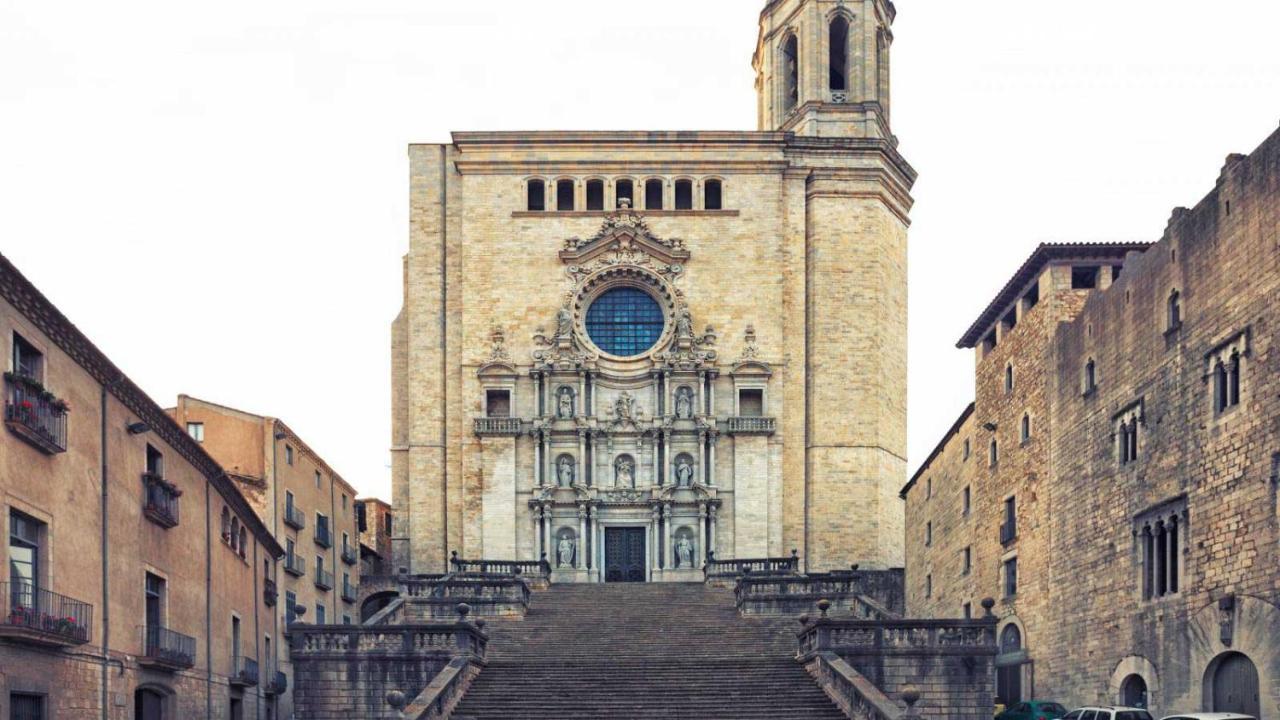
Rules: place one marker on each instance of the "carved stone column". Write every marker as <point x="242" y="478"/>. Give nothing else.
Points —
<point x="592" y="519"/>
<point x="654" y="530"/>
<point x="701" y="407"/>
<point x="547" y="548"/>
<point x="537" y="458"/>
<point x="537" y="531"/>
<point x="702" y="536"/>
<point x="582" y="456"/>
<point x="668" y="397"/>
<point x="711" y="470"/>
<point x="548" y="462"/>
<point x="670" y="554"/>
<point x="580" y="560"/>
<point x="1171" y="534"/>
<point x="711" y="543"/>
<point x="711" y="393"/>
<point x="657" y="434"/>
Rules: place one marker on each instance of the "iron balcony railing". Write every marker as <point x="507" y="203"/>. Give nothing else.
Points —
<point x="324" y="579"/>
<point x="245" y="672"/>
<point x="294" y="517"/>
<point x="160" y="500"/>
<point x="295" y="564"/>
<point x="34" y="414"/>
<point x="349" y="592"/>
<point x="163" y="646"/>
<point x="269" y="592"/>
<point x="324" y="537"/>
<point x="349" y="555"/>
<point x="277" y="683"/>
<point x="43" y="615"/>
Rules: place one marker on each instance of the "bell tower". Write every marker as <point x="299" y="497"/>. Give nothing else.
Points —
<point x="822" y="67"/>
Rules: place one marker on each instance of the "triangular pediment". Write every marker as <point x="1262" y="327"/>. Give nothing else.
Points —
<point x="624" y="233"/>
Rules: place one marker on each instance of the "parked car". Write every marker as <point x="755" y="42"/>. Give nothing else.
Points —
<point x="1033" y="710"/>
<point x="1108" y="712"/>
<point x="1210" y="716"/>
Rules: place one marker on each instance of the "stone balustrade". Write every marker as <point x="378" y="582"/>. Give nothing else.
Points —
<point x="536" y="572"/>
<point x="856" y="696"/>
<point x="738" y="425"/>
<point x="727" y="571"/>
<point x="498" y="426"/>
<point x="489" y="595"/>
<point x="868" y="594"/>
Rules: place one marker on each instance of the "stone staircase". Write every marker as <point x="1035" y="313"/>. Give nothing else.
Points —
<point x="635" y="651"/>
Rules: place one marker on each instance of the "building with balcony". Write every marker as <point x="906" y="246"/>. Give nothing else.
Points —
<point x="1115" y="482"/>
<point x="308" y="507"/>
<point x="120" y="598"/>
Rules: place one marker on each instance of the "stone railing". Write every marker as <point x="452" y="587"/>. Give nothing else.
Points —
<point x="842" y="635"/>
<point x="444" y="692"/>
<point x="752" y="425"/>
<point x="497" y="426"/>
<point x="855" y="695"/>
<point x="374" y="660"/>
<point x="868" y="594"/>
<point x="730" y="570"/>
<point x="535" y="572"/>
<point x="487" y="595"/>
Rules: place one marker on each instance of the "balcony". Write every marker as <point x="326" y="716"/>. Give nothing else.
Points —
<point x="244" y="673"/>
<point x="349" y="555"/>
<point x="324" y="579"/>
<point x="324" y="536"/>
<point x="349" y="592"/>
<point x="294" y="518"/>
<point x="164" y="649"/>
<point x="295" y="565"/>
<point x="160" y="500"/>
<point x="40" y="617"/>
<point x="744" y="425"/>
<point x="34" y="414"/>
<point x="497" y="426"/>
<point x="277" y="683"/>
<point x="1008" y="532"/>
<point x="269" y="592"/>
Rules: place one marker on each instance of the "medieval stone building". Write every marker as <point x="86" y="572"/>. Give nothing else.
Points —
<point x="1115" y="481"/>
<point x="625" y="350"/>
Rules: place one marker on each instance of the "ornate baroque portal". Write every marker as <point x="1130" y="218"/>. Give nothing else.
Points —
<point x="624" y="435"/>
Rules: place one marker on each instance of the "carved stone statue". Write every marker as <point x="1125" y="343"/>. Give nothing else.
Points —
<point x="625" y="407"/>
<point x="684" y="403"/>
<point x="684" y="552"/>
<point x="684" y="472"/>
<point x="565" y="403"/>
<point x="564" y="323"/>
<point x="684" y="324"/>
<point x="565" y="552"/>
<point x="564" y="471"/>
<point x="625" y="475"/>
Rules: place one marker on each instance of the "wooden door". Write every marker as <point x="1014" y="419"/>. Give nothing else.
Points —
<point x="1235" y="685"/>
<point x="624" y="554"/>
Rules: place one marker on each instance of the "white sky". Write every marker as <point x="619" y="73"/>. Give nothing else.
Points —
<point x="216" y="193"/>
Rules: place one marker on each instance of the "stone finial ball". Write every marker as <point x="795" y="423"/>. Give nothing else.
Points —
<point x="804" y="619"/>
<point x="397" y="699"/>
<point x="463" y="610"/>
<point x="480" y="623"/>
<point x="987" y="604"/>
<point x="910" y="694"/>
<point x="515" y="570"/>
<point x="823" y="606"/>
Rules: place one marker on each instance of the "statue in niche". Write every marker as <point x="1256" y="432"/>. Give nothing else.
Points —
<point x="684" y="552"/>
<point x="564" y="552"/>
<point x="684" y="403"/>
<point x="625" y="472"/>
<point x="625" y="407"/>
<point x="564" y="323"/>
<point x="564" y="471"/>
<point x="684" y="323"/>
<point x="684" y="471"/>
<point x="564" y="403"/>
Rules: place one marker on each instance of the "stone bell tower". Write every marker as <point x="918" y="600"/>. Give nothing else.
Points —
<point x="822" y="73"/>
<point x="822" y="67"/>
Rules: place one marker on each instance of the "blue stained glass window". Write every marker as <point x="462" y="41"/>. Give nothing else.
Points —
<point x="625" y="321"/>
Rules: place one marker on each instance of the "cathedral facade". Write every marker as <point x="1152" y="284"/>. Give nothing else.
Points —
<point x="624" y="351"/>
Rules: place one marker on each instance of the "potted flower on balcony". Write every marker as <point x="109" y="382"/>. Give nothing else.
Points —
<point x="19" y="616"/>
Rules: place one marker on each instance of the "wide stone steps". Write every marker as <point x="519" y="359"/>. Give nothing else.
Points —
<point x="642" y="651"/>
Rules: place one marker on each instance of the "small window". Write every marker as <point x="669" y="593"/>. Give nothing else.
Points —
<point x="497" y="403"/>
<point x="684" y="194"/>
<point x="344" y="502"/>
<point x="387" y="521"/>
<point x="537" y="196"/>
<point x="1008" y="378"/>
<point x="751" y="402"/>
<point x="321" y="615"/>
<point x="346" y="619"/>
<point x="27" y="361"/>
<point x="965" y="501"/>
<point x="595" y="195"/>
<point x="196" y="431"/>
<point x="1127" y="440"/>
<point x="1090" y="377"/>
<point x="1026" y="428"/>
<point x="625" y="194"/>
<point x="967" y="449"/>
<point x="235" y="533"/>
<point x="928" y="533"/>
<point x="653" y="194"/>
<point x="155" y="462"/>
<point x="838" y="44"/>
<point x="288" y="454"/>
<point x="26" y="706"/>
<point x="1009" y="529"/>
<point x="966" y="611"/>
<point x="564" y="196"/>
<point x="928" y="488"/>
<point x="928" y="585"/>
<point x="1011" y="577"/>
<point x="318" y="478"/>
<point x="713" y="195"/>
<point x="966" y="561"/>
<point x="993" y="454"/>
<point x="1175" y="311"/>
<point x="1084" y="278"/>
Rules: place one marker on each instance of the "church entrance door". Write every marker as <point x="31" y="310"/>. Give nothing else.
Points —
<point x="624" y="555"/>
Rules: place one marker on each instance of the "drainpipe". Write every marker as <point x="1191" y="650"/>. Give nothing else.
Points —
<point x="106" y="573"/>
<point x="444" y="346"/>
<point x="276" y="437"/>
<point x="208" y="600"/>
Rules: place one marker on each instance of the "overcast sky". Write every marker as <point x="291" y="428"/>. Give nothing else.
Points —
<point x="216" y="193"/>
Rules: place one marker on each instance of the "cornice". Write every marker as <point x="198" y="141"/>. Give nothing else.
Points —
<point x="543" y="166"/>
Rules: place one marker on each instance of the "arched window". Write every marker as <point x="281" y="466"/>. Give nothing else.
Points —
<point x="1090" y="376"/>
<point x="226" y="525"/>
<point x="564" y="195"/>
<point x="684" y="194"/>
<point x="623" y="190"/>
<point x="790" y="73"/>
<point x="839" y="54"/>
<point x="235" y="533"/>
<point x="653" y="194"/>
<point x="1026" y="428"/>
<point x="713" y="195"/>
<point x="1008" y="378"/>
<point x="244" y="541"/>
<point x="595" y="194"/>
<point x="1175" y="310"/>
<point x="537" y="196"/>
<point x="1010" y="639"/>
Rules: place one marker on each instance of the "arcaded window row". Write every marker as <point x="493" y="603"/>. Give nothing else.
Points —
<point x="563" y="196"/>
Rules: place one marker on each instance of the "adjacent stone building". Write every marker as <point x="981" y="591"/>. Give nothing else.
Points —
<point x="623" y="350"/>
<point x="120" y="599"/>
<point x="1115" y="481"/>
<point x="373" y="525"/>
<point x="309" y="508"/>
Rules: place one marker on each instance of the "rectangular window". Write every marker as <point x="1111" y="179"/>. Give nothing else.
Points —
<point x="967" y="611"/>
<point x="346" y="619"/>
<point x="321" y="616"/>
<point x="288" y="454"/>
<point x="595" y="195"/>
<point x="154" y="592"/>
<point x="966" y="561"/>
<point x="497" y="403"/>
<point x="928" y="533"/>
<point x="387" y="520"/>
<point x="928" y="585"/>
<point x="317" y="478"/>
<point x="750" y="402"/>
<point x="290" y="605"/>
<point x="1011" y="577"/>
<point x="1009" y="529"/>
<point x="24" y="706"/>
<point x="965" y="502"/>
<point x="155" y="462"/>
<point x="25" y="535"/>
<point x="684" y="195"/>
<point x="235" y="637"/>
<point x="344" y="502"/>
<point x="1084" y="278"/>
<point x="27" y="361"/>
<point x="196" y="431"/>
